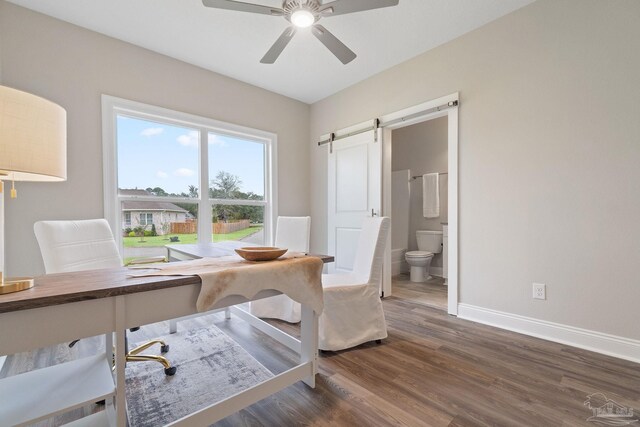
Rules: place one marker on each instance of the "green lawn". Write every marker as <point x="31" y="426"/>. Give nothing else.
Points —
<point x="149" y="242"/>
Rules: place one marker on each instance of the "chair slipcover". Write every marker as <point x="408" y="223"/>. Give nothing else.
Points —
<point x="76" y="245"/>
<point x="352" y="308"/>
<point x="291" y="233"/>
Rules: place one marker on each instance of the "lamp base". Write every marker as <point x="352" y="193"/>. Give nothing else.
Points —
<point x="16" y="284"/>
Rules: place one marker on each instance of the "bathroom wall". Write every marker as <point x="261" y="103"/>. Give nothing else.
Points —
<point x="422" y="148"/>
<point x="401" y="190"/>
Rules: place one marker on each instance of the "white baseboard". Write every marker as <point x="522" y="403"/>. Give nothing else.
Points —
<point x="2" y="359"/>
<point x="611" y="345"/>
<point x="403" y="267"/>
<point x="435" y="271"/>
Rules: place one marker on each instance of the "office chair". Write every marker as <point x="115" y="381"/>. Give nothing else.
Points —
<point x="68" y="246"/>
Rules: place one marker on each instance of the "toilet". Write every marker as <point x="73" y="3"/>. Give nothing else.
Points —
<point x="429" y="243"/>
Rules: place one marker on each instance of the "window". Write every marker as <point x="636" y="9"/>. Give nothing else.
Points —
<point x="236" y="188"/>
<point x="146" y="218"/>
<point x="200" y="179"/>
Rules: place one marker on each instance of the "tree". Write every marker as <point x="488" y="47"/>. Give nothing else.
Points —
<point x="157" y="191"/>
<point x="192" y="208"/>
<point x="165" y="227"/>
<point x="225" y="186"/>
<point x="193" y="191"/>
<point x="253" y="213"/>
<point x="139" y="231"/>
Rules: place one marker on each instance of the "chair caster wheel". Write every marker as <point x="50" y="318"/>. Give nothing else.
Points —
<point x="164" y="348"/>
<point x="170" y="371"/>
<point x="378" y="341"/>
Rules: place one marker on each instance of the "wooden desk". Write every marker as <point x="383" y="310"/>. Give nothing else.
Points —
<point x="67" y="306"/>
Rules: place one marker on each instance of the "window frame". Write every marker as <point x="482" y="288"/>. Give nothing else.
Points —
<point x="112" y="107"/>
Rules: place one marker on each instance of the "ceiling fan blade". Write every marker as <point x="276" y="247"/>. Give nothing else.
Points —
<point x="342" y="52"/>
<point x="277" y="48"/>
<point x="243" y="7"/>
<point x="341" y="7"/>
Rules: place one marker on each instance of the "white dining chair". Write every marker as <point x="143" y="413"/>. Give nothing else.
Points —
<point x="68" y="246"/>
<point x="292" y="233"/>
<point x="353" y="312"/>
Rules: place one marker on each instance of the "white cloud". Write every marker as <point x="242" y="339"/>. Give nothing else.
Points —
<point x="162" y="174"/>
<point x="216" y="140"/>
<point x="183" y="172"/>
<point x="152" y="132"/>
<point x="190" y="139"/>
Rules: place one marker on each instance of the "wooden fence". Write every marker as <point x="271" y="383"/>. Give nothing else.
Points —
<point x="184" y="227"/>
<point x="230" y="227"/>
<point x="218" y="227"/>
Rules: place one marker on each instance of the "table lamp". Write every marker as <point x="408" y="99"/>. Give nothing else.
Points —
<point x="33" y="147"/>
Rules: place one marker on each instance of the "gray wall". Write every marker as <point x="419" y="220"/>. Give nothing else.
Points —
<point x="74" y="67"/>
<point x="549" y="155"/>
<point x="422" y="148"/>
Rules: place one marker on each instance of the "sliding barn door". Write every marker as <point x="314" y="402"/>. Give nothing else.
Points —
<point x="354" y="191"/>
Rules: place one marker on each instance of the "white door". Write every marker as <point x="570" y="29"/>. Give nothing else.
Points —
<point x="354" y="191"/>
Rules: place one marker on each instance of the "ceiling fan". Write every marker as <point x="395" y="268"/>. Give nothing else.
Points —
<point x="303" y="14"/>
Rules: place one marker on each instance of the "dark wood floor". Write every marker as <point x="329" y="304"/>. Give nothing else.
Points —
<point x="433" y="369"/>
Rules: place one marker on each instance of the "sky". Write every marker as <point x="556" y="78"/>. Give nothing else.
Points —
<point x="154" y="154"/>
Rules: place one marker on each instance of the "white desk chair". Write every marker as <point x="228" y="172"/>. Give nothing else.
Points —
<point x="88" y="245"/>
<point x="291" y="233"/>
<point x="352" y="312"/>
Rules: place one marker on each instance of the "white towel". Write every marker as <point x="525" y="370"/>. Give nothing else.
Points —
<point x="430" y="195"/>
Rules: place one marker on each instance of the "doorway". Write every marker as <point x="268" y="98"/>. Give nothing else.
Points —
<point x="419" y="212"/>
<point x="378" y="157"/>
<point x="446" y="106"/>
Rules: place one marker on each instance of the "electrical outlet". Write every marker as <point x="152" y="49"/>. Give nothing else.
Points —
<point x="539" y="291"/>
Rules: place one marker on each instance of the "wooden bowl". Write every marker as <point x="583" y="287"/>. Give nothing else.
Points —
<point x="257" y="253"/>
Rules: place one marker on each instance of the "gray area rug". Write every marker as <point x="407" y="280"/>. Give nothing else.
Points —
<point x="211" y="367"/>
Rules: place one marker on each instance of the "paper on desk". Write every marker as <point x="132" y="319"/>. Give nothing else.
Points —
<point x="294" y="274"/>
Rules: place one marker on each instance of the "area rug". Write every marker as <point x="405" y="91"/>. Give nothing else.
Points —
<point x="211" y="367"/>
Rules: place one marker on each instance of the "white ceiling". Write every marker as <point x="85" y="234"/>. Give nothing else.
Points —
<point x="232" y="43"/>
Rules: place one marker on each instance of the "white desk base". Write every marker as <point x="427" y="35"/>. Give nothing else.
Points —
<point x="66" y="322"/>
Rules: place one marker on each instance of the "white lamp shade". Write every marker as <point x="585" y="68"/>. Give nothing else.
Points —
<point x="33" y="137"/>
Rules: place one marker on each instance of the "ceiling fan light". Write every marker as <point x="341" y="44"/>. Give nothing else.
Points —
<point x="302" y="18"/>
